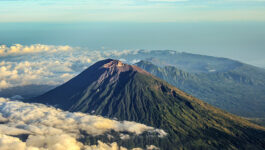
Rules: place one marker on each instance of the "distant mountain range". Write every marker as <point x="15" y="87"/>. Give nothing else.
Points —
<point x="116" y="90"/>
<point x="188" y="62"/>
<point x="240" y="90"/>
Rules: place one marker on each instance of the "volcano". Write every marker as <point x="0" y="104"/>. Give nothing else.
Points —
<point x="113" y="89"/>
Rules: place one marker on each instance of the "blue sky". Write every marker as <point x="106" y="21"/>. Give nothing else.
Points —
<point x="131" y="10"/>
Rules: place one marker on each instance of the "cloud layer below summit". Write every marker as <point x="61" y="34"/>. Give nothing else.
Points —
<point x="55" y="129"/>
<point x="46" y="64"/>
<point x="53" y="65"/>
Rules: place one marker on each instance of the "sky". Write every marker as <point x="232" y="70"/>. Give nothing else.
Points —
<point x="131" y="10"/>
<point x="224" y="28"/>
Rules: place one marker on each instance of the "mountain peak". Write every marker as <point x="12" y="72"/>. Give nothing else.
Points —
<point x="113" y="65"/>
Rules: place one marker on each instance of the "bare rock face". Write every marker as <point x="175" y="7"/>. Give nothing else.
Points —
<point x="113" y="68"/>
<point x="118" y="66"/>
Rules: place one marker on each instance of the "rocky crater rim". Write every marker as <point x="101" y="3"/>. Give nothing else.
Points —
<point x="122" y="67"/>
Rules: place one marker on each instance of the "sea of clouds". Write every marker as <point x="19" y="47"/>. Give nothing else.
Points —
<point x="25" y="126"/>
<point x="53" y="129"/>
<point x="48" y="64"/>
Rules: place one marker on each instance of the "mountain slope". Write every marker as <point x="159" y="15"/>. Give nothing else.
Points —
<point x="112" y="89"/>
<point x="239" y="91"/>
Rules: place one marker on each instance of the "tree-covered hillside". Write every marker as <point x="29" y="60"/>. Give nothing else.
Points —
<point x="240" y="91"/>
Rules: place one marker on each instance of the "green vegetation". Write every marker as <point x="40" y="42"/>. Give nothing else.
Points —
<point x="138" y="96"/>
<point x="240" y="91"/>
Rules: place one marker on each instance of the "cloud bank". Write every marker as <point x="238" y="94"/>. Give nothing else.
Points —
<point x="54" y="129"/>
<point x="18" y="49"/>
<point x="54" y="65"/>
<point x="47" y="64"/>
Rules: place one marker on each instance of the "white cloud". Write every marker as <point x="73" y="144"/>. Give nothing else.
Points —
<point x="23" y="65"/>
<point x="104" y="146"/>
<point x="4" y="84"/>
<point x="18" y="49"/>
<point x="55" y="129"/>
<point x="55" y="65"/>
<point x="151" y="147"/>
<point x="54" y="142"/>
<point x="31" y="72"/>
<point x="135" y="61"/>
<point x="11" y="143"/>
<point x="66" y="76"/>
<point x="8" y="130"/>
